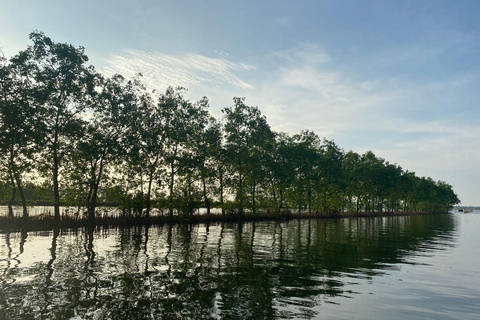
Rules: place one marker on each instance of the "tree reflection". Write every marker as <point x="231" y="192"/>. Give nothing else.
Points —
<point x="258" y="270"/>
<point x="50" y="270"/>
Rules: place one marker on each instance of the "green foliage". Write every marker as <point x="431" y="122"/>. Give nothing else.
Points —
<point x="248" y="142"/>
<point x="93" y="139"/>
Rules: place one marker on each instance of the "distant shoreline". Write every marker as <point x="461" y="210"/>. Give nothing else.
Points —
<point x="467" y="207"/>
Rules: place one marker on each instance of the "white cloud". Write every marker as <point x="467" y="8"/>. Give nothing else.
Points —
<point x="399" y="119"/>
<point x="339" y="103"/>
<point x="324" y="101"/>
<point x="412" y="122"/>
<point x="190" y="70"/>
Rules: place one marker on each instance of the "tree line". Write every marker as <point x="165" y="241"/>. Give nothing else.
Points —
<point x="70" y="135"/>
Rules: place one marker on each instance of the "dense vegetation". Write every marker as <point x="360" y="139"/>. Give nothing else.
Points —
<point x="70" y="135"/>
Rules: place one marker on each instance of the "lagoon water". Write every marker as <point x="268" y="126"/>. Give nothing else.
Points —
<point x="413" y="267"/>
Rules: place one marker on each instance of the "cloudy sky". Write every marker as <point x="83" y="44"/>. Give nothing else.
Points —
<point x="400" y="78"/>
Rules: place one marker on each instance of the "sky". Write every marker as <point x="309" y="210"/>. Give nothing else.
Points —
<point x="400" y="78"/>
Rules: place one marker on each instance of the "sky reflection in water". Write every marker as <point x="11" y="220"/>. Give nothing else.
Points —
<point x="397" y="267"/>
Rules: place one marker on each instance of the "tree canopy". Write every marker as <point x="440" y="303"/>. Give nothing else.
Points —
<point x="89" y="139"/>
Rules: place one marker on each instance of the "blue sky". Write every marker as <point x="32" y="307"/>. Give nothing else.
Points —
<point x="400" y="78"/>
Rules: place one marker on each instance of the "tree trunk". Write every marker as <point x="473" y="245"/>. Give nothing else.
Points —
<point x="93" y="204"/>
<point x="309" y="196"/>
<point x="221" y="193"/>
<point x="14" y="193"/>
<point x="149" y="192"/>
<point x="14" y="174"/>
<point x="254" y="187"/>
<point x="170" y="188"/>
<point x="207" y="201"/>
<point x="93" y="201"/>
<point x="191" y="205"/>
<point x="90" y="191"/>
<point x="325" y="206"/>
<point x="275" y="199"/>
<point x="22" y="196"/>
<point x="56" y="192"/>
<point x="240" y="195"/>
<point x="281" y="201"/>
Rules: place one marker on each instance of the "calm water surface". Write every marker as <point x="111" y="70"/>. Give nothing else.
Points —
<point x="419" y="267"/>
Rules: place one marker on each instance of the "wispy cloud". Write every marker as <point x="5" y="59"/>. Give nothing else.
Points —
<point x="190" y="70"/>
<point x="412" y="122"/>
<point x="306" y="54"/>
<point x="306" y="89"/>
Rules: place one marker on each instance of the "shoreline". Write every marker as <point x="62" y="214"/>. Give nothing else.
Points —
<point x="47" y="223"/>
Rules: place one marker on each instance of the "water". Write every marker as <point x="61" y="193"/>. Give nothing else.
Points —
<point x="418" y="267"/>
<point x="67" y="211"/>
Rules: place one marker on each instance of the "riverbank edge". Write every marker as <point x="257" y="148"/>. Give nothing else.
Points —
<point x="47" y="223"/>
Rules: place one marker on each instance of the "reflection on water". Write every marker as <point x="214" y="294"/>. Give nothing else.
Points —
<point x="262" y="270"/>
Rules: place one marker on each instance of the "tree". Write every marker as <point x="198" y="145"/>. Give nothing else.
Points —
<point x="406" y="189"/>
<point x="307" y="148"/>
<point x="281" y="169"/>
<point x="203" y="147"/>
<point x="247" y="137"/>
<point x="147" y="154"/>
<point x="63" y="120"/>
<point x="62" y="83"/>
<point x="17" y="124"/>
<point x="371" y="176"/>
<point x="446" y="198"/>
<point x="331" y="186"/>
<point x="221" y="170"/>
<point x="177" y="113"/>
<point x="107" y="135"/>
<point x="392" y="185"/>
<point x="351" y="175"/>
